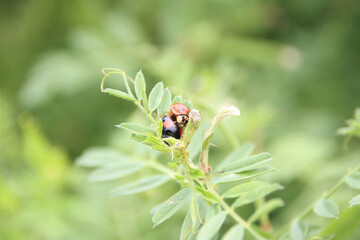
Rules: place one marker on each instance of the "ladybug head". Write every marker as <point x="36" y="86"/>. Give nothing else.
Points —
<point x="182" y="120"/>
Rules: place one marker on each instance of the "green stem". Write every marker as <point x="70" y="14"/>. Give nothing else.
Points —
<point x="333" y="190"/>
<point x="147" y="114"/>
<point x="229" y="135"/>
<point x="155" y="165"/>
<point x="327" y="195"/>
<point x="264" y="220"/>
<point x="229" y="210"/>
<point x="191" y="184"/>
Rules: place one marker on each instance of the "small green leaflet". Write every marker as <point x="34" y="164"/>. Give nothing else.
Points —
<point x="197" y="174"/>
<point x="188" y="103"/>
<point x="139" y="138"/>
<point x="98" y="156"/>
<point x="140" y="88"/>
<point x="135" y="128"/>
<point x="151" y="140"/>
<point x="203" y="208"/>
<point x="140" y="185"/>
<point x="211" y="227"/>
<point x="188" y="228"/>
<point x="212" y="210"/>
<point x="326" y="208"/>
<point x="246" y="163"/>
<point x="234" y="177"/>
<point x="234" y="233"/>
<point x="159" y="128"/>
<point x="353" y="180"/>
<point x="177" y="99"/>
<point x="155" y="96"/>
<point x="296" y="232"/>
<point x="165" y="102"/>
<point x="114" y="170"/>
<point x="250" y="187"/>
<point x="119" y="94"/>
<point x="256" y="194"/>
<point x="156" y="143"/>
<point x="268" y="207"/>
<point x="207" y="196"/>
<point x="355" y="201"/>
<point x="196" y="141"/>
<point x="171" y="206"/>
<point x="238" y="154"/>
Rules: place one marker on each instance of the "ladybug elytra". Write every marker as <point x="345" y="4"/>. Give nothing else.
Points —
<point x="170" y="129"/>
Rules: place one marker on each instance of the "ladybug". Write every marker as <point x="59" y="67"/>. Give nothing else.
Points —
<point x="179" y="113"/>
<point x="170" y="129"/>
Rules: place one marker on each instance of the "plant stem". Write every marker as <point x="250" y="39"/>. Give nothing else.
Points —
<point x="229" y="135"/>
<point x="234" y="215"/>
<point x="264" y="220"/>
<point x="154" y="164"/>
<point x="327" y="195"/>
<point x="147" y="114"/>
<point x="193" y="191"/>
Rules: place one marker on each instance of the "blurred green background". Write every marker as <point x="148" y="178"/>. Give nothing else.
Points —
<point x="292" y="67"/>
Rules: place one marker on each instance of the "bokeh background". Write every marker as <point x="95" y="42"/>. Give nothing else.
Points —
<point x="292" y="67"/>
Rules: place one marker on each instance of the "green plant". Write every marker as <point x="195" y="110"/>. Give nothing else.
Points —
<point x="200" y="183"/>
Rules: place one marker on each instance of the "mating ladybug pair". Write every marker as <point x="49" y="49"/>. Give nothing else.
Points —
<point x="175" y="120"/>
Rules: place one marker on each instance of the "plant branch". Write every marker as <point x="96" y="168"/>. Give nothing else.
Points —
<point x="158" y="166"/>
<point x="326" y="195"/>
<point x="229" y="210"/>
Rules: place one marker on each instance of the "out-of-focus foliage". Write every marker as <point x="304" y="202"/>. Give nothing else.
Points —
<point x="290" y="66"/>
<point x="353" y="126"/>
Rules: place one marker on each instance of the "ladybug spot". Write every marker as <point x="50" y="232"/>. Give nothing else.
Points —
<point x="171" y="200"/>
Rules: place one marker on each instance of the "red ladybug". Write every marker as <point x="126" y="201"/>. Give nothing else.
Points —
<point x="170" y="129"/>
<point x="179" y="113"/>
